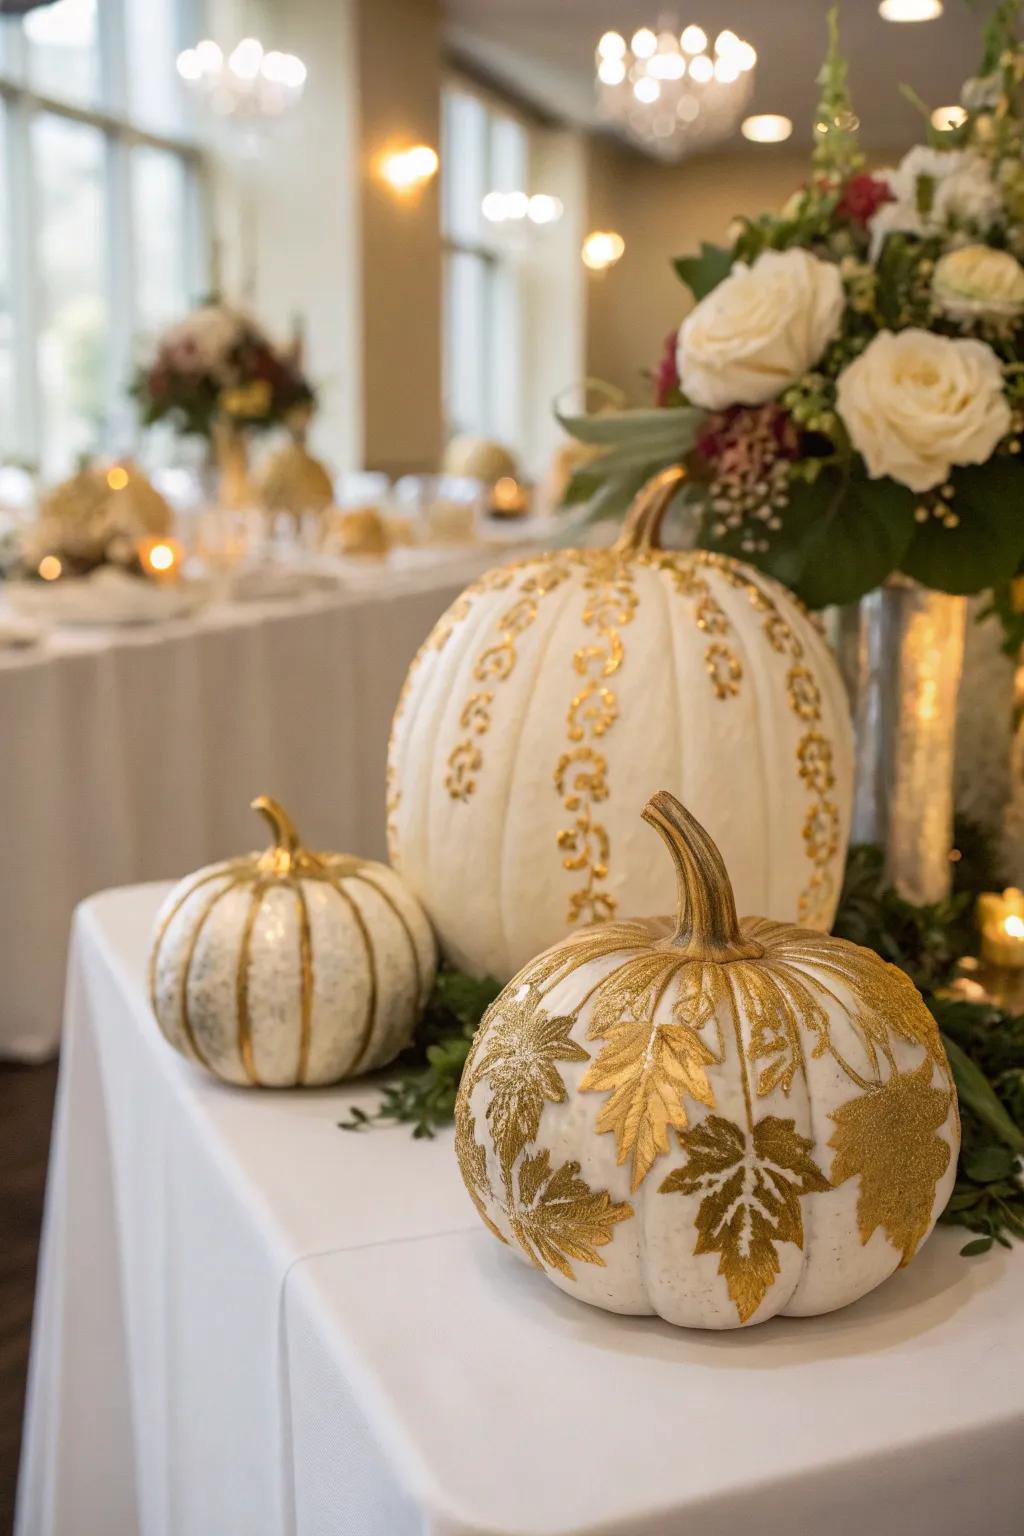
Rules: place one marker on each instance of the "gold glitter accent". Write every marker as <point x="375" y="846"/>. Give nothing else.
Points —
<point x="555" y="1216"/>
<point x="518" y="1059"/>
<point x="887" y="1138"/>
<point x="464" y="762"/>
<point x="724" y="670"/>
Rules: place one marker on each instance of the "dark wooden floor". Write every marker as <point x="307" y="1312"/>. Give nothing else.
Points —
<point x="26" y="1107"/>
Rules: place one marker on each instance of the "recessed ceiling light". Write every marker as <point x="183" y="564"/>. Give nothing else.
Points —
<point x="948" y="117"/>
<point x="910" y="10"/>
<point x="766" y="128"/>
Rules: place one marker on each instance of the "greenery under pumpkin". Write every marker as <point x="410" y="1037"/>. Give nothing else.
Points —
<point x="985" y="1045"/>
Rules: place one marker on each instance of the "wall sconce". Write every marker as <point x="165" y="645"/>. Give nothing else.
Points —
<point x="602" y="249"/>
<point x="406" y="170"/>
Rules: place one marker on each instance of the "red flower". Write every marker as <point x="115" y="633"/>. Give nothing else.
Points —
<point x="666" y="380"/>
<point x="746" y="432"/>
<point x="862" y="197"/>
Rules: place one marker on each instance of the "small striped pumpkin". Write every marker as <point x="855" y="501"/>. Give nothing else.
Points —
<point x="289" y="968"/>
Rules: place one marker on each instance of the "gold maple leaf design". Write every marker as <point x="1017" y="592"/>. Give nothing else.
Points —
<point x="518" y="1057"/>
<point x="472" y="1156"/>
<point x="751" y="1186"/>
<point x="887" y="1138"/>
<point x="648" y="1068"/>
<point x="558" y="1217"/>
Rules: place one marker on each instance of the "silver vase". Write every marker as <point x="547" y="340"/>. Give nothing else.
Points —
<point x="909" y="659"/>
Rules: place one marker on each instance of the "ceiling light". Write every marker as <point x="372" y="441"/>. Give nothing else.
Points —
<point x="726" y="42"/>
<point x="666" y="66"/>
<point x="611" y="46"/>
<point x="544" y="209"/>
<point x="944" y="118"/>
<point x="602" y="249"/>
<point x="517" y="205"/>
<point x="910" y="10"/>
<point x="766" y="128"/>
<point x="644" y="43"/>
<point x="493" y="208"/>
<point x="701" y="69"/>
<point x="611" y="71"/>
<point x="745" y="56"/>
<point x="405" y="169"/>
<point x="726" y="70"/>
<point x="694" y="40"/>
<point x="646" y="90"/>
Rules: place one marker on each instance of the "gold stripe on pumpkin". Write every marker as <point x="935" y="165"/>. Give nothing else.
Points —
<point x="390" y="902"/>
<point x="245" y="1050"/>
<point x="306" y="969"/>
<point x="366" y="1033"/>
<point x="186" y="1021"/>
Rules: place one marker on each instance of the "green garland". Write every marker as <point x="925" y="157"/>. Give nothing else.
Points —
<point x="985" y="1045"/>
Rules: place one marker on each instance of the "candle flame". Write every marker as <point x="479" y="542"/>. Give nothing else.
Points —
<point x="1013" y="926"/>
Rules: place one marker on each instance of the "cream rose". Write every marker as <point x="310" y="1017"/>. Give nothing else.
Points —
<point x="760" y="329"/>
<point x="915" y="404"/>
<point x="978" y="283"/>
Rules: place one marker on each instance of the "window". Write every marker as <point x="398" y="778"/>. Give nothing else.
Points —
<point x="483" y="150"/>
<point x="100" y="216"/>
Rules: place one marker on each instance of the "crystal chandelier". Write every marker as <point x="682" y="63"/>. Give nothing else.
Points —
<point x="673" y="92"/>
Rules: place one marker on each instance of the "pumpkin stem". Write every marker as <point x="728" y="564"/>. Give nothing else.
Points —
<point x="642" y="527"/>
<point x="707" y="927"/>
<point x="281" y="825"/>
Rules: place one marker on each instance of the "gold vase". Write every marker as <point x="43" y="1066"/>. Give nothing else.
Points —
<point x="910" y="657"/>
<point x="231" y="463"/>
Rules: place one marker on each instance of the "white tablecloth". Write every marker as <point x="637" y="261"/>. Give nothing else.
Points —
<point x="133" y="754"/>
<point x="251" y="1323"/>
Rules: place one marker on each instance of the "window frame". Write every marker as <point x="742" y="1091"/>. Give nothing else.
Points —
<point x="502" y="270"/>
<point x="22" y="103"/>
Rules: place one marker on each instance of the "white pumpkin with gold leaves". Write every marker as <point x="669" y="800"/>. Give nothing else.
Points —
<point x="290" y="968"/>
<point x="712" y="1120"/>
<point x="557" y="694"/>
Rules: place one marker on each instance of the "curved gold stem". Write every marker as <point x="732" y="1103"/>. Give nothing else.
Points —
<point x="642" y="527"/>
<point x="707" y="927"/>
<point x="280" y="823"/>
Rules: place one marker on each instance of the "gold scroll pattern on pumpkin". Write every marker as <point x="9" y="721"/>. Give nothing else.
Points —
<point x="494" y="665"/>
<point x="723" y="666"/>
<point x="814" y="754"/>
<point x="552" y="1213"/>
<point x="450" y="620"/>
<point x="581" y="773"/>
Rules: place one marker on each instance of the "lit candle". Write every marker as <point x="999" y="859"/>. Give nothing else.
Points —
<point x="508" y="498"/>
<point x="1001" y="920"/>
<point x="160" y="559"/>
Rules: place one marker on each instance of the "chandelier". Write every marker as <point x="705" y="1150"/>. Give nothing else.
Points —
<point x="249" y="85"/>
<point x="673" y="92"/>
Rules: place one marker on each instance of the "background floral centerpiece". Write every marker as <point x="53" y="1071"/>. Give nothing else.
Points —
<point x="217" y="374"/>
<point x="848" y="392"/>
<point x="847" y="397"/>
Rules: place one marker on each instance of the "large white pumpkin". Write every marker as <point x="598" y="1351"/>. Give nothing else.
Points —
<point x="555" y="696"/>
<point x="290" y="968"/>
<point x="712" y="1120"/>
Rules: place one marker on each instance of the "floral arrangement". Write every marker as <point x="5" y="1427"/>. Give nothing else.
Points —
<point x="848" y="392"/>
<point x="218" y="366"/>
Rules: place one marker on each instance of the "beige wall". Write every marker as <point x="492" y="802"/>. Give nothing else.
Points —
<point x="662" y="212"/>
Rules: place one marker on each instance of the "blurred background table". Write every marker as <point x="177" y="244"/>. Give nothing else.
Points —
<point x="251" y="1321"/>
<point x="132" y="754"/>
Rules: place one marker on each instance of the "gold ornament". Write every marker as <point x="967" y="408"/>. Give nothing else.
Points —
<point x="290" y="968"/>
<point x="363" y="531"/>
<point x="774" y="1106"/>
<point x="294" y="481"/>
<point x="87" y="517"/>
<point x="479" y="458"/>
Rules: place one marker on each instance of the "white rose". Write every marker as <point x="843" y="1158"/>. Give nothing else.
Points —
<point x="967" y="195"/>
<point x="962" y="192"/>
<point x="979" y="283"/>
<point x="760" y="330"/>
<point x="915" y="404"/>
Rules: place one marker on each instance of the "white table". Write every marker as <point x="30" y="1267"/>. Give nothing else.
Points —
<point x="132" y="755"/>
<point x="251" y="1323"/>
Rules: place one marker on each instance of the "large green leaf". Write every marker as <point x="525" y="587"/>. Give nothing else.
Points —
<point x="704" y="272"/>
<point x="670" y="427"/>
<point x="841" y="537"/>
<point x="987" y="545"/>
